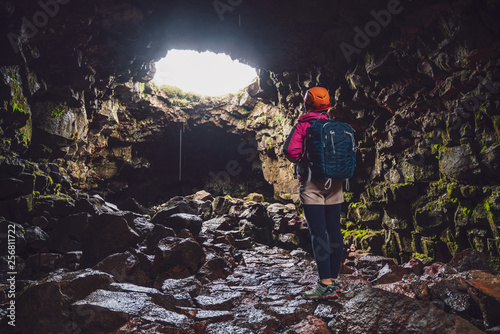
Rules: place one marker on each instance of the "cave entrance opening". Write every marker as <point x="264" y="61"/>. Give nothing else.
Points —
<point x="205" y="73"/>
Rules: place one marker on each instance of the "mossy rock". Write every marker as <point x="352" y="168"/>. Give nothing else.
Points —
<point x="431" y="218"/>
<point x="368" y="214"/>
<point x="403" y="191"/>
<point x="425" y="172"/>
<point x="365" y="239"/>
<point x="460" y="163"/>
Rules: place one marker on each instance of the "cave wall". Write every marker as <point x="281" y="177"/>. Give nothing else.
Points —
<point x="418" y="82"/>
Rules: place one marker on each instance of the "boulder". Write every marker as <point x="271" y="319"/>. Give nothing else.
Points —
<point x="106" y="234"/>
<point x="121" y="266"/>
<point x="484" y="289"/>
<point x="43" y="307"/>
<point x="215" y="267"/>
<point x="177" y="257"/>
<point x="310" y="324"/>
<point x="469" y="259"/>
<point x="459" y="163"/>
<point x="221" y="205"/>
<point x="106" y="311"/>
<point x="392" y="273"/>
<point x="180" y="221"/>
<point x="158" y="233"/>
<point x="377" y="311"/>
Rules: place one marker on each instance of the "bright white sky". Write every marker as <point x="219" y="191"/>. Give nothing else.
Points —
<point x="204" y="73"/>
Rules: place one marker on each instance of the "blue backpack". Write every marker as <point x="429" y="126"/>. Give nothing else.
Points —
<point x="330" y="149"/>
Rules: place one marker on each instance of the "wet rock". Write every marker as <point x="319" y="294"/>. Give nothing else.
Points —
<point x="288" y="241"/>
<point x="84" y="204"/>
<point x="121" y="266"/>
<point x="224" y="300"/>
<point x="226" y="328"/>
<point x="222" y="205"/>
<point x="180" y="221"/>
<point x="454" y="297"/>
<point x="257" y="319"/>
<point x="189" y="285"/>
<point x="177" y="257"/>
<point x="391" y="274"/>
<point x="436" y="269"/>
<point x="310" y="325"/>
<point x="174" y="206"/>
<point x="397" y="287"/>
<point x="155" y="324"/>
<point x="377" y="311"/>
<point x="373" y="262"/>
<point x="43" y="307"/>
<point x="211" y="316"/>
<point x="112" y="309"/>
<point x="258" y="234"/>
<point x="469" y="259"/>
<point x="36" y="238"/>
<point x="165" y="300"/>
<point x="139" y="223"/>
<point x="215" y="267"/>
<point x="484" y="288"/>
<point x="105" y="235"/>
<point x="158" y="233"/>
<point x="416" y="266"/>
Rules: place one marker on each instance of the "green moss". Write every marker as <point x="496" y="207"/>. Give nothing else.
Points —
<point x="422" y="257"/>
<point x="466" y="211"/>
<point x="58" y="110"/>
<point x="16" y="108"/>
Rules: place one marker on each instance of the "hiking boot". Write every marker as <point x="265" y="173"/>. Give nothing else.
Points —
<point x="336" y="286"/>
<point x="322" y="292"/>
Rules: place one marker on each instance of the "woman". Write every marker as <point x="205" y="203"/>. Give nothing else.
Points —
<point x="320" y="200"/>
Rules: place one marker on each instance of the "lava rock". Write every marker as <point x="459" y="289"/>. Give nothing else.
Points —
<point x="377" y="311"/>
<point x="177" y="257"/>
<point x="43" y="307"/>
<point x="180" y="221"/>
<point x="158" y="233"/>
<point x="105" y="235"/>
<point x="459" y="163"/>
<point x="109" y="310"/>
<point x="469" y="259"/>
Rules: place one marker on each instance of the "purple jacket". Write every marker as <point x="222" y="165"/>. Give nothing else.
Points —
<point x="298" y="133"/>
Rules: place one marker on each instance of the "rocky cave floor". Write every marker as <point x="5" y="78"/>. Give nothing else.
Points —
<point x="194" y="266"/>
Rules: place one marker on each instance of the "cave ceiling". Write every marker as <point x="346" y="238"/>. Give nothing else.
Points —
<point x="117" y="40"/>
